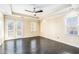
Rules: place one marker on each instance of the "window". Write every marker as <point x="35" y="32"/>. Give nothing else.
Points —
<point x="33" y="27"/>
<point x="72" y="25"/>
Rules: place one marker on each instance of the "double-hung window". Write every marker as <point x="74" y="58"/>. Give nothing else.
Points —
<point x="72" y="25"/>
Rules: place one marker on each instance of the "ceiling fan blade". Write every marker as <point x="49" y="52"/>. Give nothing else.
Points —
<point x="39" y="11"/>
<point x="29" y="11"/>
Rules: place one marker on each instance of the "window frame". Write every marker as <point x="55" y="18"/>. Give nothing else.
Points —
<point x="76" y="26"/>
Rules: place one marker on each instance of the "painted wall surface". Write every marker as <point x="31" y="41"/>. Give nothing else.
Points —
<point x="26" y="26"/>
<point x="54" y="29"/>
<point x="1" y="28"/>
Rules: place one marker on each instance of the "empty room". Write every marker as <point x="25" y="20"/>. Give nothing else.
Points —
<point x="39" y="29"/>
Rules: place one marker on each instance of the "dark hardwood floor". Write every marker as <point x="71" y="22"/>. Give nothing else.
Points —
<point x="36" y="45"/>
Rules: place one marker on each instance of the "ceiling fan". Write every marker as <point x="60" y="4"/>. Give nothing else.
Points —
<point x="16" y="13"/>
<point x="34" y="11"/>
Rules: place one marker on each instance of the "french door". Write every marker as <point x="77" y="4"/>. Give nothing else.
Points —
<point x="13" y="28"/>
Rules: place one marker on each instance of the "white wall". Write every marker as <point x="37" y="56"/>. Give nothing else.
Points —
<point x="54" y="29"/>
<point x="27" y="27"/>
<point x="1" y="28"/>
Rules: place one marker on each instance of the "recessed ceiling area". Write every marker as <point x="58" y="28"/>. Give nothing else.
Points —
<point x="48" y="9"/>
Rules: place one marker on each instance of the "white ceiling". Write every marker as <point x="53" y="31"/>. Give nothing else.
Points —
<point x="5" y="9"/>
<point x="20" y="8"/>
